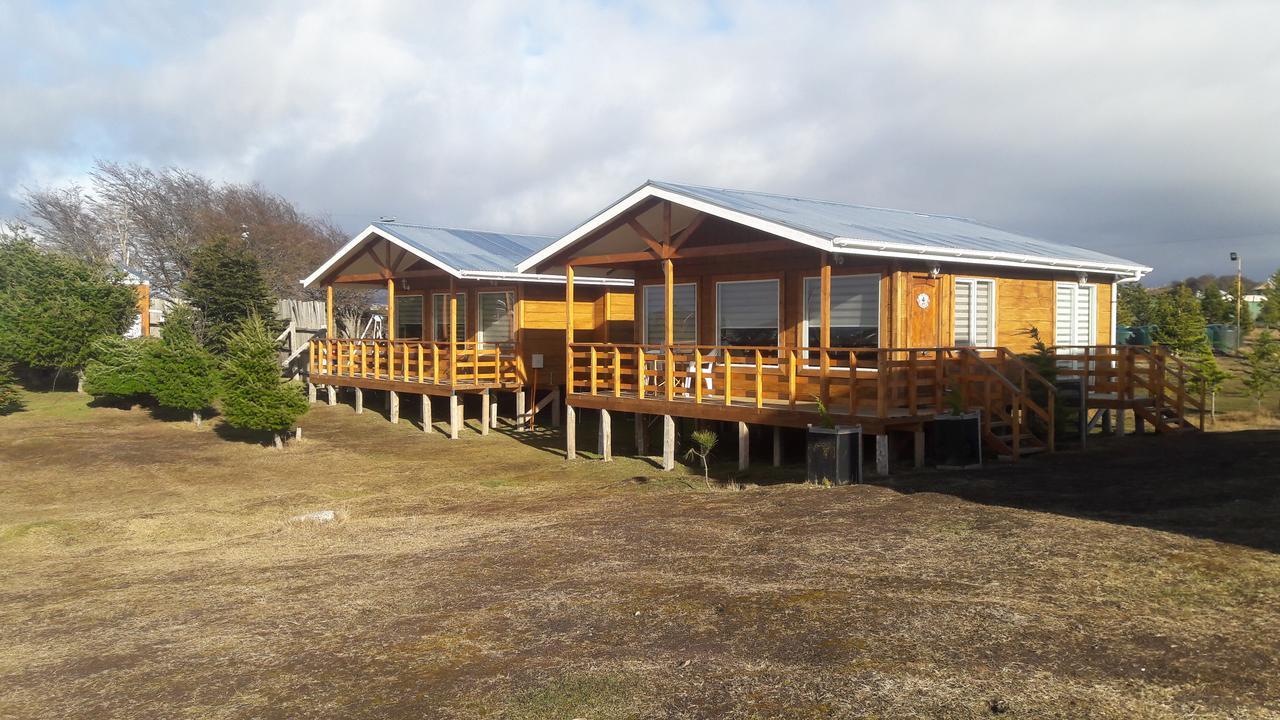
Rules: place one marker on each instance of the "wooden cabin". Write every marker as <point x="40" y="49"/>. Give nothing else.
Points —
<point x="764" y="309"/>
<point x="459" y="320"/>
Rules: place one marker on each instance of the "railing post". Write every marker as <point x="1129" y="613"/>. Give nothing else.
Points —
<point x="697" y="375"/>
<point x="792" y="358"/>
<point x="377" y="357"/>
<point x="913" y="376"/>
<point x="669" y="371"/>
<point x="642" y="372"/>
<point x="882" y="385"/>
<point x="405" y="357"/>
<point x="759" y="381"/>
<point x="592" y="383"/>
<point x="728" y="376"/>
<point x="853" y="383"/>
<point x="435" y="363"/>
<point x="617" y="372"/>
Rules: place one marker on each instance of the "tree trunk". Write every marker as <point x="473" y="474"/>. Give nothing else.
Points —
<point x="277" y="441"/>
<point x="80" y="382"/>
<point x="195" y="417"/>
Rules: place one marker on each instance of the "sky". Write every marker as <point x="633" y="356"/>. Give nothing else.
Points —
<point x="1146" y="130"/>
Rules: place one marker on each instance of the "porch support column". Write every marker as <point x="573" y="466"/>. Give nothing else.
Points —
<point x="882" y="454"/>
<point x="521" y="423"/>
<point x="332" y="393"/>
<point x="744" y="446"/>
<point x="568" y="330"/>
<point x="328" y="311"/>
<point x="493" y="410"/>
<point x="641" y="441"/>
<point x="777" y="446"/>
<point x="606" y="436"/>
<point x="570" y="433"/>
<point x="426" y="413"/>
<point x="393" y="406"/>
<point x="668" y="442"/>
<point x="484" y="411"/>
<point x="311" y="393"/>
<point x="824" y="328"/>
<point x="391" y="310"/>
<point x="453" y="335"/>
<point x="919" y="449"/>
<point x="359" y="400"/>
<point x="455" y="416"/>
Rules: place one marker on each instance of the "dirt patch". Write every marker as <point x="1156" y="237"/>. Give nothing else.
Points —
<point x="149" y="569"/>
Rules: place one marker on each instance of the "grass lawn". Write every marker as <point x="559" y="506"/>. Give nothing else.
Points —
<point x="149" y="569"/>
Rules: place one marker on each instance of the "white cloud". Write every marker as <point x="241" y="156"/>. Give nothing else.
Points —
<point x="1113" y="125"/>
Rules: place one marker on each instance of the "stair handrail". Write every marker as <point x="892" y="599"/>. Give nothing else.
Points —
<point x="1018" y="398"/>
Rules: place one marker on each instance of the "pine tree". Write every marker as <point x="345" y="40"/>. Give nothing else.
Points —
<point x="1180" y="325"/>
<point x="10" y="398"/>
<point x="1270" y="312"/>
<point x="1209" y="377"/>
<point x="1214" y="305"/>
<point x="1262" y="367"/>
<point x="184" y="374"/>
<point x="119" y="368"/>
<point x="1134" y="305"/>
<point x="256" y="398"/>
<point x="225" y="286"/>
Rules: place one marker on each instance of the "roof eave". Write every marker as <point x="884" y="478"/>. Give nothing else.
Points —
<point x="853" y="246"/>
<point x="387" y="235"/>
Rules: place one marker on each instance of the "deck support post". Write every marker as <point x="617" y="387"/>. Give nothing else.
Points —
<point x="1139" y="425"/>
<point x="777" y="446"/>
<point x="882" y="454"/>
<point x="311" y="393"/>
<point x="1117" y="428"/>
<point x="606" y="436"/>
<point x="641" y="441"/>
<point x="570" y="433"/>
<point x="426" y="413"/>
<point x="359" y="400"/>
<point x="493" y="410"/>
<point x="918" y="447"/>
<point x="332" y="393"/>
<point x="393" y="406"/>
<point x="455" y="416"/>
<point x="668" y="443"/>
<point x="484" y="411"/>
<point x="521" y="422"/>
<point x="744" y="446"/>
<point x="1107" y="426"/>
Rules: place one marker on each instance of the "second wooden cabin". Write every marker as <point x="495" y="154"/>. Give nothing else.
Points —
<point x="460" y="320"/>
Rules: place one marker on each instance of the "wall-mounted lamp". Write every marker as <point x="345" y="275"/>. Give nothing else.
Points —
<point x="935" y="271"/>
<point x="1083" y="278"/>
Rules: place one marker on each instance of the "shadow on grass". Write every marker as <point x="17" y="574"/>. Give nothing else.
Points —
<point x="260" y="438"/>
<point x="1219" y="486"/>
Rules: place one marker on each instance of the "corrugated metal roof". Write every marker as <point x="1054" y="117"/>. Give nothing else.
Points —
<point x="903" y="229"/>
<point x="468" y="249"/>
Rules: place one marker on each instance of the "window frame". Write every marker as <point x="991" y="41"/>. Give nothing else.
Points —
<point x="511" y="311"/>
<point x="973" y="282"/>
<point x="777" y="290"/>
<point x="400" y="299"/>
<point x="805" y="326"/>
<point x="462" y="315"/>
<point x="1093" y="310"/>
<point x="644" y="312"/>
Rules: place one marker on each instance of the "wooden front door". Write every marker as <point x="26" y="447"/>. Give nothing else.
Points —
<point x="923" y="330"/>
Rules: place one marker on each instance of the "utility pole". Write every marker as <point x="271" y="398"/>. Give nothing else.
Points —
<point x="1239" y="296"/>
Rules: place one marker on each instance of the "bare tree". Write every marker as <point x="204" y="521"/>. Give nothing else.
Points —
<point x="71" y="221"/>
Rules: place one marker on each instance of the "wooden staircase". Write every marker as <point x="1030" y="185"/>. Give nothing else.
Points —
<point x="1015" y="423"/>
<point x="1161" y="389"/>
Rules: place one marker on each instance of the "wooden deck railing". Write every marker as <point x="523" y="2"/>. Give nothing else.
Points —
<point x="850" y="383"/>
<point x="1149" y="378"/>
<point x="416" y="361"/>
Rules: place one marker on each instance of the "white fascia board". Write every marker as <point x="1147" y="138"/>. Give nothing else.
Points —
<point x="363" y="236"/>
<point x="546" y="279"/>
<point x="850" y="246"/>
<point x="647" y="191"/>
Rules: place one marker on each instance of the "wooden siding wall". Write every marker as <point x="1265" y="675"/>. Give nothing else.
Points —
<point x="1023" y="299"/>
<point x="544" y="318"/>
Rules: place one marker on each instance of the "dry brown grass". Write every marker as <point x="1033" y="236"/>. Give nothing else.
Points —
<point x="148" y="569"/>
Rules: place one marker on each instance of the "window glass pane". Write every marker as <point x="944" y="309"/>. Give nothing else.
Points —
<point x="685" y="304"/>
<point x="495" y="316"/>
<point x="982" y="314"/>
<point x="409" y="317"/>
<point x="973" y="320"/>
<point x="440" y="317"/>
<point x="747" y="312"/>
<point x="855" y="310"/>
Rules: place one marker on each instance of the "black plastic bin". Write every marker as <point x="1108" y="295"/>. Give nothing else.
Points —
<point x="957" y="440"/>
<point x="834" y="454"/>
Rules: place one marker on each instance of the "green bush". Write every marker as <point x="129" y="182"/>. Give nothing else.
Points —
<point x="255" y="396"/>
<point x="184" y="375"/>
<point x="119" y="368"/>
<point x="10" y="398"/>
